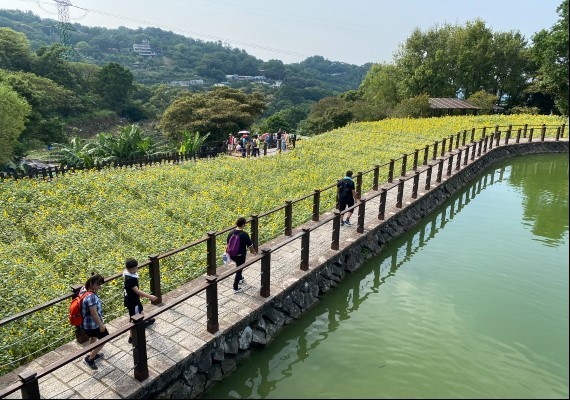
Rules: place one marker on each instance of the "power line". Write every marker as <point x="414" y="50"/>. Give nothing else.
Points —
<point x="186" y="32"/>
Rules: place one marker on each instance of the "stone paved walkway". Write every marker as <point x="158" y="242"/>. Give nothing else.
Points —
<point x="179" y="332"/>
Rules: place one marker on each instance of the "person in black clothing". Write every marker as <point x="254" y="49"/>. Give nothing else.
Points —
<point x="245" y="243"/>
<point x="132" y="293"/>
<point x="347" y="196"/>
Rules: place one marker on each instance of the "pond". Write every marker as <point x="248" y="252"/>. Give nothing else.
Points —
<point x="473" y="302"/>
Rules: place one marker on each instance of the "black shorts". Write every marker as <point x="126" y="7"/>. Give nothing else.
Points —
<point x="346" y="203"/>
<point x="135" y="309"/>
<point x="96" y="333"/>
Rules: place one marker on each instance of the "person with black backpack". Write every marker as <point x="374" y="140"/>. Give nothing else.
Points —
<point x="346" y="196"/>
<point x="237" y="244"/>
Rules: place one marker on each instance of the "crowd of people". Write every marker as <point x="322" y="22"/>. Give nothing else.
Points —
<point x="250" y="145"/>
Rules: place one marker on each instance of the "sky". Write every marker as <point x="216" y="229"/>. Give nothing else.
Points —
<point x="354" y="32"/>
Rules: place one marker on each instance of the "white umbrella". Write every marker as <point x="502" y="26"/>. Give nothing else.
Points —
<point x="246" y="132"/>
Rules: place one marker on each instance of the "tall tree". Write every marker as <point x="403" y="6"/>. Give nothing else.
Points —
<point x="511" y="67"/>
<point x="219" y="112"/>
<point x="14" y="110"/>
<point x="15" y="51"/>
<point x="550" y="53"/>
<point x="382" y="86"/>
<point x="114" y="85"/>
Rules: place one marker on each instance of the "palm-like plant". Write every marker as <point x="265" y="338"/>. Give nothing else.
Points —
<point x="79" y="152"/>
<point x="192" y="143"/>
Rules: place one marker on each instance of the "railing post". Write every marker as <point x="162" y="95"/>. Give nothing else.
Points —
<point x="518" y="135"/>
<point x="525" y="129"/>
<point x="80" y="334"/>
<point x="139" y="348"/>
<point x="404" y="165"/>
<point x="484" y="132"/>
<point x="485" y="142"/>
<point x="543" y="133"/>
<point x="508" y="134"/>
<point x="473" y="151"/>
<point x="391" y="171"/>
<point x="449" y="164"/>
<point x="382" y="204"/>
<point x="288" y="218"/>
<point x="458" y="164"/>
<point x="443" y="142"/>
<point x="255" y="231"/>
<point x="212" y="324"/>
<point x="465" y="160"/>
<point x="154" y="276"/>
<point x="472" y="135"/>
<point x="428" y="177"/>
<point x="316" y="204"/>
<point x="493" y="136"/>
<point x="457" y="140"/>
<point x="30" y="385"/>
<point x="415" y="185"/>
<point x="464" y="138"/>
<point x="498" y="138"/>
<point x="358" y="185"/>
<point x="415" y="159"/>
<point x="426" y="154"/>
<point x="558" y="134"/>
<point x="336" y="231"/>
<point x="211" y="256"/>
<point x="361" y="211"/>
<point x="265" y="290"/>
<point x="439" y="170"/>
<point x="562" y="130"/>
<point x="450" y="143"/>
<point x="531" y="132"/>
<point x="434" y="155"/>
<point x="400" y="193"/>
<point x="376" y="177"/>
<point x="305" y="243"/>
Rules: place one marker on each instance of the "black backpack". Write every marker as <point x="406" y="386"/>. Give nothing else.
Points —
<point x="344" y="190"/>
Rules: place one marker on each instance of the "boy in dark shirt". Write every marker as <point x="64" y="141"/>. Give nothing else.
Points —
<point x="132" y="292"/>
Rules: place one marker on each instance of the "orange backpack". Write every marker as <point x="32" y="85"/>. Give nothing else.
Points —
<point x="75" y="314"/>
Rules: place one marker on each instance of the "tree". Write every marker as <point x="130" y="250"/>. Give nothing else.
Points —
<point x="217" y="112"/>
<point x="414" y="107"/>
<point x="14" y="110"/>
<point x="329" y="113"/>
<point x="15" y="51"/>
<point x="50" y="64"/>
<point x="114" y="85"/>
<point x="550" y="54"/>
<point x="485" y="100"/>
<point x="382" y="87"/>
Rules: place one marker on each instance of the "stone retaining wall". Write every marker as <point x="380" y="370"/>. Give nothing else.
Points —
<point x="221" y="356"/>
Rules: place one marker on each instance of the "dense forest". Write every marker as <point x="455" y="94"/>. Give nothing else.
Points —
<point x="178" y="86"/>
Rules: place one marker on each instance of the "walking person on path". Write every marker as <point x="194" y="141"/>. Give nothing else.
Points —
<point x="346" y="196"/>
<point x="237" y="251"/>
<point x="92" y="311"/>
<point x="132" y="293"/>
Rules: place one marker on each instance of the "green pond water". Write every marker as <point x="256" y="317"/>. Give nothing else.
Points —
<point x="471" y="303"/>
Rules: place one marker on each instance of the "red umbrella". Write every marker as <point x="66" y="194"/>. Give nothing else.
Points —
<point x="262" y="137"/>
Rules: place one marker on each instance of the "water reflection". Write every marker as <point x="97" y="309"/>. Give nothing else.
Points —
<point x="528" y="177"/>
<point x="297" y="342"/>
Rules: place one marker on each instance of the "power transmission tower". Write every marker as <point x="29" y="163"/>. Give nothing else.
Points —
<point x="65" y="27"/>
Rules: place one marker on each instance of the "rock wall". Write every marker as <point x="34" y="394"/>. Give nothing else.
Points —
<point x="222" y="355"/>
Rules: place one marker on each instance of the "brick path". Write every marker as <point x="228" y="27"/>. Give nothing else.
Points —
<point x="180" y="331"/>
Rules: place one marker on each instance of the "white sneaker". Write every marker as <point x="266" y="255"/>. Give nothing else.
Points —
<point x="242" y="281"/>
<point x="238" y="290"/>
